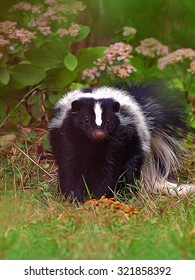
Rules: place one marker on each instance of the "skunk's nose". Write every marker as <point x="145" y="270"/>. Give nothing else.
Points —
<point x="98" y="134"/>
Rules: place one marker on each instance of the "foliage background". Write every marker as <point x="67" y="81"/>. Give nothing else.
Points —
<point x="36" y="67"/>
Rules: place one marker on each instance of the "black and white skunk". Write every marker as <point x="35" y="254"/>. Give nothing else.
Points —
<point x="98" y="134"/>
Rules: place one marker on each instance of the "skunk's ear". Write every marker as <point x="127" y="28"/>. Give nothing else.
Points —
<point x="75" y="106"/>
<point x="116" y="107"/>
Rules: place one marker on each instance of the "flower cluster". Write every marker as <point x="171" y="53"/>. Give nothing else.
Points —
<point x="23" y="35"/>
<point x="23" y="6"/>
<point x="152" y="47"/>
<point x="9" y="34"/>
<point x="176" y="56"/>
<point x="115" y="61"/>
<point x="91" y="73"/>
<point x="127" y="31"/>
<point x="52" y="7"/>
<point x="44" y="16"/>
<point x="50" y="17"/>
<point x="191" y="69"/>
<point x="115" y="52"/>
<point x="123" y="71"/>
<point x="73" y="30"/>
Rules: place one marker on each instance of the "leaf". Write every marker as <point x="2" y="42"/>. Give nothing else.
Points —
<point x="75" y="86"/>
<point x="19" y="115"/>
<point x="46" y="144"/>
<point x="37" y="111"/>
<point x="28" y="75"/>
<point x="70" y="61"/>
<point x="4" y="76"/>
<point x="7" y="140"/>
<point x="60" y="77"/>
<point x="42" y="58"/>
<point x="86" y="57"/>
<point x="59" y="49"/>
<point x="83" y="33"/>
<point x="53" y="98"/>
<point x="137" y="62"/>
<point x="33" y="99"/>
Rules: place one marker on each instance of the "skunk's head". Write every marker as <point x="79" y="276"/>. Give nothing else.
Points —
<point x="95" y="114"/>
<point x="95" y="119"/>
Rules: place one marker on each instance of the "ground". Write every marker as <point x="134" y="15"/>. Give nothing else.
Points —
<point x="36" y="222"/>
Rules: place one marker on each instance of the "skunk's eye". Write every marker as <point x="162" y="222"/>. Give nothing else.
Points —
<point x="87" y="119"/>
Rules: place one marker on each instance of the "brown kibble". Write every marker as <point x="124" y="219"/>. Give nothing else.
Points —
<point x="116" y="207"/>
<point x="112" y="199"/>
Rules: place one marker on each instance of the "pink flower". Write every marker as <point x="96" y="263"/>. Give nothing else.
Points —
<point x="115" y="61"/>
<point x="23" y="6"/>
<point x="74" y="29"/>
<point x="176" y="56"/>
<point x="78" y="7"/>
<point x="124" y="70"/>
<point x="4" y="42"/>
<point x="92" y="73"/>
<point x="36" y="9"/>
<point x="45" y="30"/>
<point x="62" y="32"/>
<point x="48" y="16"/>
<point x="49" y="12"/>
<point x="12" y="48"/>
<point x="152" y="47"/>
<point x="7" y="27"/>
<point x="23" y="35"/>
<point x="191" y="69"/>
<point x="127" y="30"/>
<point x="50" y="2"/>
<point x="115" y="52"/>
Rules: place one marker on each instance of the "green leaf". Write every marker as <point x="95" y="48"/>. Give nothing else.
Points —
<point x="20" y="115"/>
<point x="192" y="124"/>
<point x="86" y="57"/>
<point x="42" y="58"/>
<point x="37" y="111"/>
<point x="70" y="61"/>
<point x="46" y="144"/>
<point x="28" y="75"/>
<point x="34" y="99"/>
<point x="137" y="62"/>
<point x="59" y="49"/>
<point x="53" y="98"/>
<point x="4" y="76"/>
<point x="83" y="33"/>
<point x="75" y="86"/>
<point x="60" y="77"/>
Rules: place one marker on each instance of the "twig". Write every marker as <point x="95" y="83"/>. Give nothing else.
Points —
<point x="33" y="161"/>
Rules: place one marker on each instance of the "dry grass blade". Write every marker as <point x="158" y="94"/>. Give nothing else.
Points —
<point x="38" y="165"/>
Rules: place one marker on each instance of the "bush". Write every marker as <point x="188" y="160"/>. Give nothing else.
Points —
<point x="37" y="62"/>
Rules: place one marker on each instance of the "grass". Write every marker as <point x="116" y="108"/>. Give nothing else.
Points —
<point x="34" y="229"/>
<point x="37" y="224"/>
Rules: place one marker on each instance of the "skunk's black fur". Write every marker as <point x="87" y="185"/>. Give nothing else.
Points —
<point x="98" y="134"/>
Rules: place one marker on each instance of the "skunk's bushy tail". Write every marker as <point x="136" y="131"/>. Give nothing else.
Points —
<point x="167" y="122"/>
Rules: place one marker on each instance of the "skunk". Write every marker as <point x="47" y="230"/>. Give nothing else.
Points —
<point x="99" y="134"/>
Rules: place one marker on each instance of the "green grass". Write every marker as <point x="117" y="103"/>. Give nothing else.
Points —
<point x="43" y="228"/>
<point x="37" y="224"/>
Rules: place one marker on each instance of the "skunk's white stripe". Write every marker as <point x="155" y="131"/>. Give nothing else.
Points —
<point x="98" y="113"/>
